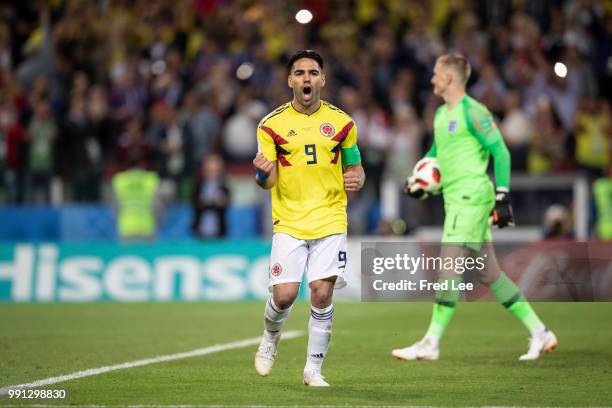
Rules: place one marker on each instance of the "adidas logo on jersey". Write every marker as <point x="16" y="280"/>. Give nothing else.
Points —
<point x="291" y="133"/>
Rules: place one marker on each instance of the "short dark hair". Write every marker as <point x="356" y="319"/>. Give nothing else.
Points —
<point x="305" y="54"/>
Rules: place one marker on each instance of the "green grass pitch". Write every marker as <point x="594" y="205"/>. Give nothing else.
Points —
<point x="478" y="363"/>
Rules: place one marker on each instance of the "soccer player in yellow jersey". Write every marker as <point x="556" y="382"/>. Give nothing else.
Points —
<point x="308" y="158"/>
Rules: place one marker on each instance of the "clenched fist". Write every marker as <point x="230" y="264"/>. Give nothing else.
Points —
<point x="263" y="166"/>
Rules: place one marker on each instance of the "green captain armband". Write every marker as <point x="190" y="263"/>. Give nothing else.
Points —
<point x="351" y="155"/>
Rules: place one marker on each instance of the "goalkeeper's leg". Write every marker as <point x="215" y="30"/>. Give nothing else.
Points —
<point x="443" y="309"/>
<point x="509" y="295"/>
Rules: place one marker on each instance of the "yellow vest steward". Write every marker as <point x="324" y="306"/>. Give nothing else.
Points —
<point x="308" y="199"/>
<point x="135" y="191"/>
<point x="602" y="189"/>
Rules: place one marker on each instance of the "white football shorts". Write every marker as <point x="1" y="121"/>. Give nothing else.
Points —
<point x="319" y="258"/>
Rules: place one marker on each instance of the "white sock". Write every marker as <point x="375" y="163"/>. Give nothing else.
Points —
<point x="319" y="334"/>
<point x="538" y="331"/>
<point x="274" y="319"/>
<point x="433" y="340"/>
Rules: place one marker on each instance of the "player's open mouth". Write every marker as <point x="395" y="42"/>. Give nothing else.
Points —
<point x="307" y="92"/>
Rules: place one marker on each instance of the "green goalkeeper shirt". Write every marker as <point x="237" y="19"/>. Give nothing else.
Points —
<point x="464" y="137"/>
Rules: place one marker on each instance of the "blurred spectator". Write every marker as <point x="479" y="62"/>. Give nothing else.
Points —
<point x="167" y="87"/>
<point x="40" y="91"/>
<point x="564" y="93"/>
<point x="517" y="130"/>
<point x="490" y="89"/>
<point x="382" y="51"/>
<point x="546" y="149"/>
<point x="12" y="152"/>
<point x="423" y="41"/>
<point x="557" y="222"/>
<point x="404" y="150"/>
<point x="38" y="51"/>
<point x="239" y="145"/>
<point x="41" y="137"/>
<point x="221" y="85"/>
<point x="593" y="136"/>
<point x="403" y="92"/>
<point x="210" y="199"/>
<point x="602" y="190"/>
<point x="5" y="47"/>
<point x="136" y="201"/>
<point x="102" y="128"/>
<point x="201" y="127"/>
<point x="79" y="148"/>
<point x="168" y="138"/>
<point x="373" y="129"/>
<point x="128" y="96"/>
<point x="132" y="146"/>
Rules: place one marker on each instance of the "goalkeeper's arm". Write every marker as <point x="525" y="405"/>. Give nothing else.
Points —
<point x="484" y="129"/>
<point x="502" y="213"/>
<point x="491" y="139"/>
<point x="501" y="162"/>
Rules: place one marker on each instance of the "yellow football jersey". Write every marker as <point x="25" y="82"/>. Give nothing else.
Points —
<point x="308" y="199"/>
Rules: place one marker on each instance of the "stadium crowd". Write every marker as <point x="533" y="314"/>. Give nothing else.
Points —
<point x="88" y="87"/>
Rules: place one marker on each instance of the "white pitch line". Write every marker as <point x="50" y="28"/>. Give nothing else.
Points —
<point x="265" y="406"/>
<point x="139" y="363"/>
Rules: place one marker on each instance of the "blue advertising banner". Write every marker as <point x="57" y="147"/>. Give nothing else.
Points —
<point x="183" y="271"/>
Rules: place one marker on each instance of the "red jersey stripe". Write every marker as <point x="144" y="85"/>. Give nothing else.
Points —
<point x="341" y="135"/>
<point x="278" y="140"/>
<point x="275" y="136"/>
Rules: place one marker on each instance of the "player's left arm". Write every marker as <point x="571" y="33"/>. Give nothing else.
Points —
<point x="485" y="130"/>
<point x="354" y="175"/>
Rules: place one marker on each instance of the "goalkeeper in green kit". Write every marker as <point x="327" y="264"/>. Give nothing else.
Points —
<point x="465" y="135"/>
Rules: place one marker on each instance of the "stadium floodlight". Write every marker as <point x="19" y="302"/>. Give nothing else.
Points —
<point x="303" y="16"/>
<point x="560" y="69"/>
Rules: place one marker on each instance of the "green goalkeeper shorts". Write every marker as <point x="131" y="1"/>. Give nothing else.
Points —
<point x="467" y="225"/>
